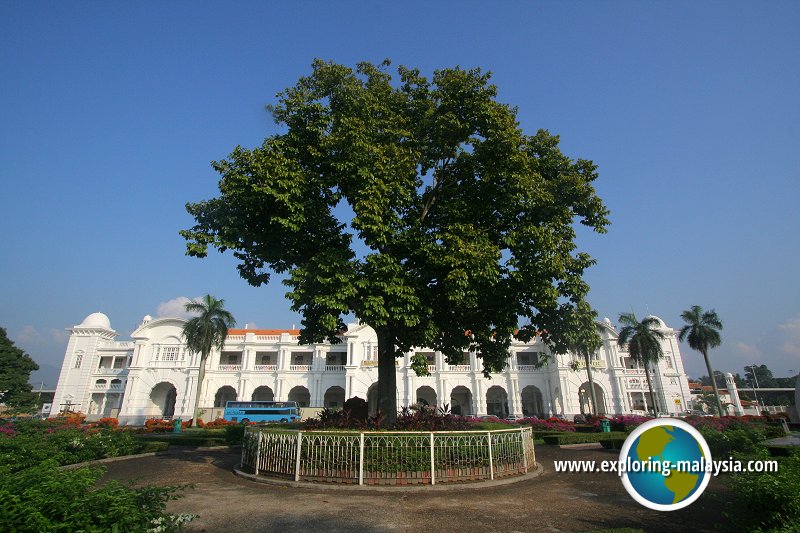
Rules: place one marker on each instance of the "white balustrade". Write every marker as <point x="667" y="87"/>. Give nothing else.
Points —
<point x="299" y="368"/>
<point x="265" y="368"/>
<point x="109" y="371"/>
<point x="459" y="368"/>
<point x="229" y="368"/>
<point x="335" y="368"/>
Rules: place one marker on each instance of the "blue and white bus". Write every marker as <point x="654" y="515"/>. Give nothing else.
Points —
<point x="245" y="412"/>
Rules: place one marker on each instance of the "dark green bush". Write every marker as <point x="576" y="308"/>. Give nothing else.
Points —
<point x="37" y="495"/>
<point x="733" y="442"/>
<point x="234" y="434"/>
<point x="46" y="498"/>
<point x="768" y="501"/>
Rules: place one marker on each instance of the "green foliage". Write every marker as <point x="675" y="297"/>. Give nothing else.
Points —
<point x="46" y="498"/>
<point x="234" y="434"/>
<point x="768" y="501"/>
<point x="15" y="371"/>
<point x="426" y="419"/>
<point x="37" y="495"/>
<point x="733" y="442"/>
<point x="37" y="441"/>
<point x="461" y="222"/>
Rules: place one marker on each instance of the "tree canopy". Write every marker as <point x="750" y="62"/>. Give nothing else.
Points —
<point x="417" y="205"/>
<point x="15" y="371"/>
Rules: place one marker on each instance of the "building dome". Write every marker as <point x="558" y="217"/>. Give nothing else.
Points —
<point x="96" y="320"/>
<point x="661" y="323"/>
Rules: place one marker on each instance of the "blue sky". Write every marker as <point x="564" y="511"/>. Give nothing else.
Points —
<point x="111" y="113"/>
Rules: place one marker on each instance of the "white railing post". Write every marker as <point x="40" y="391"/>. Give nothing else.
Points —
<point x="361" y="459"/>
<point x="524" y="442"/>
<point x="297" y="463"/>
<point x="258" y="450"/>
<point x="491" y="461"/>
<point x="433" y="464"/>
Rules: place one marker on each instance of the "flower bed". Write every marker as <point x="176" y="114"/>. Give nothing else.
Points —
<point x="388" y="458"/>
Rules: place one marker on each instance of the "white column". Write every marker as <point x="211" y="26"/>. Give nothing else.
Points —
<point x="517" y="403"/>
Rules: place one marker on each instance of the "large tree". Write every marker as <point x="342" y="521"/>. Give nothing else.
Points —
<point x="204" y="332"/>
<point x="15" y="371"/>
<point x="701" y="331"/>
<point x="418" y="205"/>
<point x="643" y="340"/>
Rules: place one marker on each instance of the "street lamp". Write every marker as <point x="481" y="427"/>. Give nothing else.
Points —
<point x="755" y="383"/>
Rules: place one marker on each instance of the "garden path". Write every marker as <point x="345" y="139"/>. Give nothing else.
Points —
<point x="550" y="502"/>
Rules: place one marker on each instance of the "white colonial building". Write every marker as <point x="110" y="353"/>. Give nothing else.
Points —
<point x="153" y="375"/>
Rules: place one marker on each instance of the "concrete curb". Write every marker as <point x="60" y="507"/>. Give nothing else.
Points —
<point x="112" y="460"/>
<point x="445" y="487"/>
<point x="175" y="448"/>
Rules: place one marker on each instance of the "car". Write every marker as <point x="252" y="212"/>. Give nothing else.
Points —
<point x="579" y="419"/>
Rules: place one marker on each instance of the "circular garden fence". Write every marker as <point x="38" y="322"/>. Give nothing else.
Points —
<point x="388" y="458"/>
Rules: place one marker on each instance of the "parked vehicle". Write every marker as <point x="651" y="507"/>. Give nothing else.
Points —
<point x="245" y="412"/>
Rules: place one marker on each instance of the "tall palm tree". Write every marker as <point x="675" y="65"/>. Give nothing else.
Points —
<point x="702" y="332"/>
<point x="205" y="332"/>
<point x="584" y="340"/>
<point x="644" y="345"/>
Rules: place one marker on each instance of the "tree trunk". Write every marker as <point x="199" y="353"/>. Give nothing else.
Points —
<point x="387" y="377"/>
<point x="650" y="388"/>
<point x="591" y="383"/>
<point x="200" y="377"/>
<point x="713" y="381"/>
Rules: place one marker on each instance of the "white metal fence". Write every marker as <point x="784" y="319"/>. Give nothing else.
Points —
<point x="388" y="458"/>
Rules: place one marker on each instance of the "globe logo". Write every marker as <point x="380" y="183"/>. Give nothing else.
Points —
<point x="665" y="464"/>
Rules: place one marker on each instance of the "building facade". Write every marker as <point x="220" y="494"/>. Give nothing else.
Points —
<point x="154" y="375"/>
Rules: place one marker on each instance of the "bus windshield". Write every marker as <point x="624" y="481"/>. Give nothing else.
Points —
<point x="255" y="411"/>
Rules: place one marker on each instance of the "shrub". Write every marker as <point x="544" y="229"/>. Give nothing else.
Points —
<point x="220" y="423"/>
<point x="36" y="495"/>
<point x="549" y="424"/>
<point x="158" y="425"/>
<point x="628" y="422"/>
<point x="45" y="498"/>
<point x="581" y="438"/>
<point x="357" y="409"/>
<point x="407" y="420"/>
<point x="234" y="434"/>
<point x="730" y="442"/>
<point x="768" y="501"/>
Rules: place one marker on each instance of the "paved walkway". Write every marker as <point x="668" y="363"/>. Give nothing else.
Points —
<point x="550" y="502"/>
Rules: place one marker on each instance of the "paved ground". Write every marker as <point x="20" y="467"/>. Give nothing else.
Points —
<point x="549" y="502"/>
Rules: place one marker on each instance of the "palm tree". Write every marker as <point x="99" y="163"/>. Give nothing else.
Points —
<point x="644" y="344"/>
<point x="584" y="340"/>
<point x="585" y="351"/>
<point x="702" y="332"/>
<point x="205" y="332"/>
